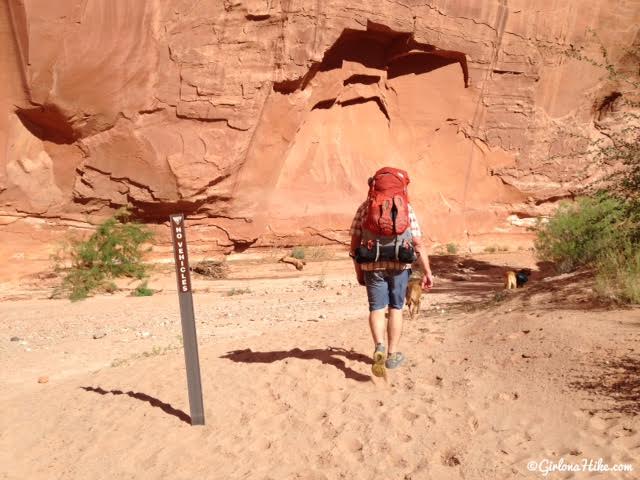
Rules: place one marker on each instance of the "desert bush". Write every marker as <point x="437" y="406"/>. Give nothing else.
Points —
<point x="142" y="290"/>
<point x="452" y="248"/>
<point x="578" y="232"/>
<point x="114" y="250"/>
<point x="618" y="274"/>
<point x="491" y="249"/>
<point x="603" y="230"/>
<point x="298" y="252"/>
<point x="218" y="269"/>
<point x="238" y="291"/>
<point x="318" y="253"/>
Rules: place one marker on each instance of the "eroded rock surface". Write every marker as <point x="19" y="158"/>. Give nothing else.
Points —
<point x="262" y="119"/>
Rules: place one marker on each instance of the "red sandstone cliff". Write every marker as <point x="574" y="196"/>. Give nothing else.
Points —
<point x="262" y="119"/>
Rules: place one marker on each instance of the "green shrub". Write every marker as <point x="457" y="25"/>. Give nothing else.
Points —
<point x="318" y="253"/>
<point x="452" y="248"/>
<point x="114" y="250"/>
<point x="618" y="274"/>
<point x="142" y="290"/>
<point x="238" y="291"/>
<point x="298" y="252"/>
<point x="578" y="232"/>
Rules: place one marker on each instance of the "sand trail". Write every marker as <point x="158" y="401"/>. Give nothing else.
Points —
<point x="289" y="395"/>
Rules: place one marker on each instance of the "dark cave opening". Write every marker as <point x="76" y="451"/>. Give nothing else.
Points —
<point x="382" y="48"/>
<point x="607" y="105"/>
<point x="362" y="79"/>
<point x="48" y="124"/>
<point x="417" y="63"/>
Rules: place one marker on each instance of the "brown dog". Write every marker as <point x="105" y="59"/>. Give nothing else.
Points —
<point x="414" y="293"/>
<point x="510" y="281"/>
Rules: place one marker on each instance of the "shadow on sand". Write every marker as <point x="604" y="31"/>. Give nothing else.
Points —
<point x="478" y="285"/>
<point x="328" y="356"/>
<point x="617" y="380"/>
<point x="154" y="402"/>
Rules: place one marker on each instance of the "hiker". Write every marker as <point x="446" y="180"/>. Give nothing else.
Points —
<point x="385" y="241"/>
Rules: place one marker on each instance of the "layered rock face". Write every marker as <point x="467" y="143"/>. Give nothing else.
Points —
<point x="262" y="119"/>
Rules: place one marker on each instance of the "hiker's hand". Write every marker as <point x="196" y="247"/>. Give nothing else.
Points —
<point x="427" y="281"/>
<point x="359" y="273"/>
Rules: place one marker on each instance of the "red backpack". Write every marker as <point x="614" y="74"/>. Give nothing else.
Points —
<point x="386" y="232"/>
<point x="387" y="203"/>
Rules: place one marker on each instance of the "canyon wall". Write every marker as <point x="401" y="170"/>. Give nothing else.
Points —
<point x="262" y="119"/>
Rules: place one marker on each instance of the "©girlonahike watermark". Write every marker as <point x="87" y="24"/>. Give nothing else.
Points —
<point x="547" y="466"/>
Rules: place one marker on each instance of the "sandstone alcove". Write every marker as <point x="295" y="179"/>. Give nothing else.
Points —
<point x="377" y="98"/>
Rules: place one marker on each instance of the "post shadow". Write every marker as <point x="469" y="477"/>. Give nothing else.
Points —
<point x="154" y="402"/>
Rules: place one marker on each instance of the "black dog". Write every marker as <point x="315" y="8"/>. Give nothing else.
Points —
<point x="522" y="277"/>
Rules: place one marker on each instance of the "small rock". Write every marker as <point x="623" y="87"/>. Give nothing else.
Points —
<point x="321" y="316"/>
<point x="460" y="278"/>
<point x="43" y="379"/>
<point x="15" y="339"/>
<point x="98" y="335"/>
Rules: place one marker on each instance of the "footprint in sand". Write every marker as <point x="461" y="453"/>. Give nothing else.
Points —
<point x="473" y="423"/>
<point x="399" y="461"/>
<point x="507" y="396"/>
<point x="325" y="458"/>
<point x="409" y="384"/>
<point x="450" y="457"/>
<point x="409" y="415"/>
<point x="599" y="423"/>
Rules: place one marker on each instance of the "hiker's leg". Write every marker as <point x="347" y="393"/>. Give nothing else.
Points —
<point x="378" y="296"/>
<point x="377" y="324"/>
<point x="394" y="329"/>
<point x="397" y="293"/>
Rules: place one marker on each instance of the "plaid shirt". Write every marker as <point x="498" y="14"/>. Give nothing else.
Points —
<point x="356" y="230"/>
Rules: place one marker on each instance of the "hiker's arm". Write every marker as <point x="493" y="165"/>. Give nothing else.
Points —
<point x="423" y="261"/>
<point x="355" y="243"/>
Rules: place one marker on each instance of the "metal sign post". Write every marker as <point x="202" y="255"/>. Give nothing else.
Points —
<point x="189" y="337"/>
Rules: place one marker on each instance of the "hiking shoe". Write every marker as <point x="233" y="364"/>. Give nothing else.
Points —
<point x="395" y="360"/>
<point x="379" y="357"/>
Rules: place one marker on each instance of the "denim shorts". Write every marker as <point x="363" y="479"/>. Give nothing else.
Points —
<point x="386" y="287"/>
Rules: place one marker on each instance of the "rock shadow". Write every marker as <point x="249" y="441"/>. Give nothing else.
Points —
<point x="381" y="48"/>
